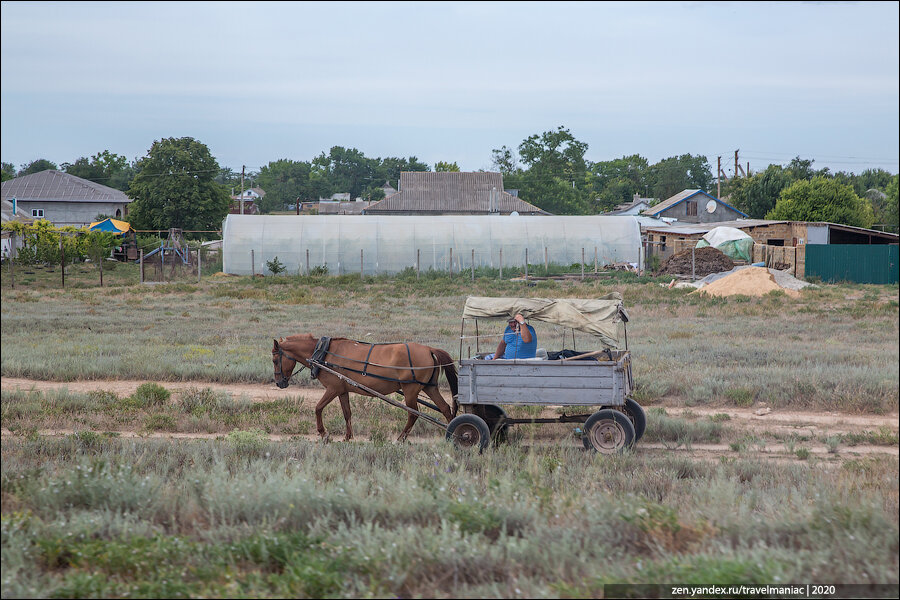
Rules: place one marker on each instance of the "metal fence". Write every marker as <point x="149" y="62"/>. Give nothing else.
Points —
<point x="855" y="263"/>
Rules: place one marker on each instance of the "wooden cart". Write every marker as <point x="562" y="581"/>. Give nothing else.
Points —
<point x="600" y="379"/>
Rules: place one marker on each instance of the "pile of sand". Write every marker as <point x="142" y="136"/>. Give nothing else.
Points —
<point x="751" y="281"/>
<point x="700" y="261"/>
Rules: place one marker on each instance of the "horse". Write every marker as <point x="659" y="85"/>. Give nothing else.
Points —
<point x="386" y="368"/>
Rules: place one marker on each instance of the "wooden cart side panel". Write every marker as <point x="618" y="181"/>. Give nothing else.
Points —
<point x="547" y="383"/>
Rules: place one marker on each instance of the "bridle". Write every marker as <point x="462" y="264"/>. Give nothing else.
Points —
<point x="279" y="374"/>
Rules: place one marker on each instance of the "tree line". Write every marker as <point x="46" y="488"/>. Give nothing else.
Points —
<point x="180" y="184"/>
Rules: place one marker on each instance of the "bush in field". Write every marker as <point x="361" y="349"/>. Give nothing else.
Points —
<point x="275" y="266"/>
<point x="151" y="394"/>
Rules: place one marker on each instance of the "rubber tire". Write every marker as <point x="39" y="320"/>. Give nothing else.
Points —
<point x="468" y="431"/>
<point x="613" y="421"/>
<point x="638" y="417"/>
<point x="495" y="417"/>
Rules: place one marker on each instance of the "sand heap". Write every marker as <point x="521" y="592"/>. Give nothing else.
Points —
<point x="705" y="261"/>
<point x="752" y="281"/>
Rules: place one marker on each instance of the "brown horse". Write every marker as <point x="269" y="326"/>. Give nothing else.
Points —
<point x="385" y="368"/>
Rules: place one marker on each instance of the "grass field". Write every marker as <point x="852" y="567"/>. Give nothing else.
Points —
<point x="99" y="500"/>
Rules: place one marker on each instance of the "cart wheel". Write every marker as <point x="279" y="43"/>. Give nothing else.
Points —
<point x="608" y="431"/>
<point x="638" y="417"/>
<point x="495" y="417"/>
<point x="469" y="431"/>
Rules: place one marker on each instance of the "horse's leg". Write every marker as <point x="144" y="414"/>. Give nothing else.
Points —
<point x="326" y="399"/>
<point x="435" y="394"/>
<point x="410" y="396"/>
<point x="345" y="407"/>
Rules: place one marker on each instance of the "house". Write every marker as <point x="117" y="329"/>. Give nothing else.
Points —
<point x="452" y="193"/>
<point x="249" y="198"/>
<point x="695" y="206"/>
<point x="633" y="208"/>
<point x="12" y="212"/>
<point x="65" y="199"/>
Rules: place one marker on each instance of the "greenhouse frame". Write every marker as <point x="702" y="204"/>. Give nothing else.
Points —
<point x="373" y="245"/>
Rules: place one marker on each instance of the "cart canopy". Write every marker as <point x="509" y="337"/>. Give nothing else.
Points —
<point x="599" y="317"/>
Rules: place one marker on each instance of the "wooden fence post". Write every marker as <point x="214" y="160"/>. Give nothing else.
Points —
<point x="501" y="267"/>
<point x="451" y="261"/>
<point x="141" y="262"/>
<point x="360" y="263"/>
<point x="526" y="263"/>
<point x="307" y="262"/>
<point x="582" y="265"/>
<point x="62" y="260"/>
<point x="473" y="265"/>
<point x="252" y="264"/>
<point x="199" y="262"/>
<point x="417" y="263"/>
<point x="12" y="252"/>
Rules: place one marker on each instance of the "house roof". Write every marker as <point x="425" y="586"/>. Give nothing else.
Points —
<point x="681" y="197"/>
<point x="452" y="192"/>
<point x="56" y="186"/>
<point x="20" y="215"/>
<point x="703" y="228"/>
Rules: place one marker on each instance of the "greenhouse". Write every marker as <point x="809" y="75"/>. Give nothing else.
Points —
<point x="372" y="245"/>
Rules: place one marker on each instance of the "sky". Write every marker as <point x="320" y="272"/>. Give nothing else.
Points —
<point x="451" y="81"/>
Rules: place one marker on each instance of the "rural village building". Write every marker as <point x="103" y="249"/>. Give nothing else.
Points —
<point x="12" y="212"/>
<point x="633" y="208"/>
<point x="249" y="198"/>
<point x="777" y="243"/>
<point x="452" y="193"/>
<point x="695" y="206"/>
<point x="65" y="199"/>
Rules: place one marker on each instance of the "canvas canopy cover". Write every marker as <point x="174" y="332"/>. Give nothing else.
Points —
<point x="111" y="225"/>
<point x="599" y="317"/>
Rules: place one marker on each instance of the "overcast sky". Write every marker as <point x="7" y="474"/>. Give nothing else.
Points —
<point x="258" y="82"/>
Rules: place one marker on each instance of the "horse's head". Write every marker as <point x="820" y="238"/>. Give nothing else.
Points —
<point x="284" y="365"/>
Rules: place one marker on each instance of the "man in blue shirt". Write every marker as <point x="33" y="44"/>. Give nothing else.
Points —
<point x="519" y="340"/>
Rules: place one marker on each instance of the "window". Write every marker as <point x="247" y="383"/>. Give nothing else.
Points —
<point x="37" y="213"/>
<point x="690" y="208"/>
<point x="771" y="242"/>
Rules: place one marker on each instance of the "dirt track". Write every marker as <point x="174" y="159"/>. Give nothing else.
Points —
<point x="753" y="421"/>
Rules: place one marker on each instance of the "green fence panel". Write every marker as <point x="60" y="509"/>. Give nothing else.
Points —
<point x="857" y="263"/>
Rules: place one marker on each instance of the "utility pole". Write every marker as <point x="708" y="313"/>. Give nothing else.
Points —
<point x="242" y="188"/>
<point x="720" y="175"/>
<point x="737" y="165"/>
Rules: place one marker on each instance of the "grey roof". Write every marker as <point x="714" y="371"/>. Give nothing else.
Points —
<point x="701" y="228"/>
<point x="56" y="186"/>
<point x="449" y="192"/>
<point x="20" y="215"/>
<point x="682" y="196"/>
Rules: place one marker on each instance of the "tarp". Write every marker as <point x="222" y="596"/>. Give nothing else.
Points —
<point x="111" y="225"/>
<point x="599" y="317"/>
<point x="731" y="241"/>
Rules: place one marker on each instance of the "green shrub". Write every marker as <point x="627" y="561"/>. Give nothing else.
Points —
<point x="151" y="394"/>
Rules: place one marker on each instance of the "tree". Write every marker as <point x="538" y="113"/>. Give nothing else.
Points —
<point x="822" y="199"/>
<point x="390" y="168"/>
<point x="557" y="177"/>
<point x="678" y="173"/>
<point x="7" y="171"/>
<point x="175" y="187"/>
<point x="446" y="167"/>
<point x="504" y="161"/>
<point x="890" y="214"/>
<point x="617" y="181"/>
<point x="284" y="181"/>
<point x="756" y="195"/>
<point x="36" y="166"/>
<point x="347" y="170"/>
<point x="104" y="168"/>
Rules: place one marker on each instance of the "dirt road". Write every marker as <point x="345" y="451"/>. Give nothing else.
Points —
<point x="760" y="422"/>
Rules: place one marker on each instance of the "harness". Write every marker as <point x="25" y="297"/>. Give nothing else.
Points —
<point x="317" y="360"/>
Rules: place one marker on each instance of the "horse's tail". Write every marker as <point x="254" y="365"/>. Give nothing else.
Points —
<point x="446" y="361"/>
